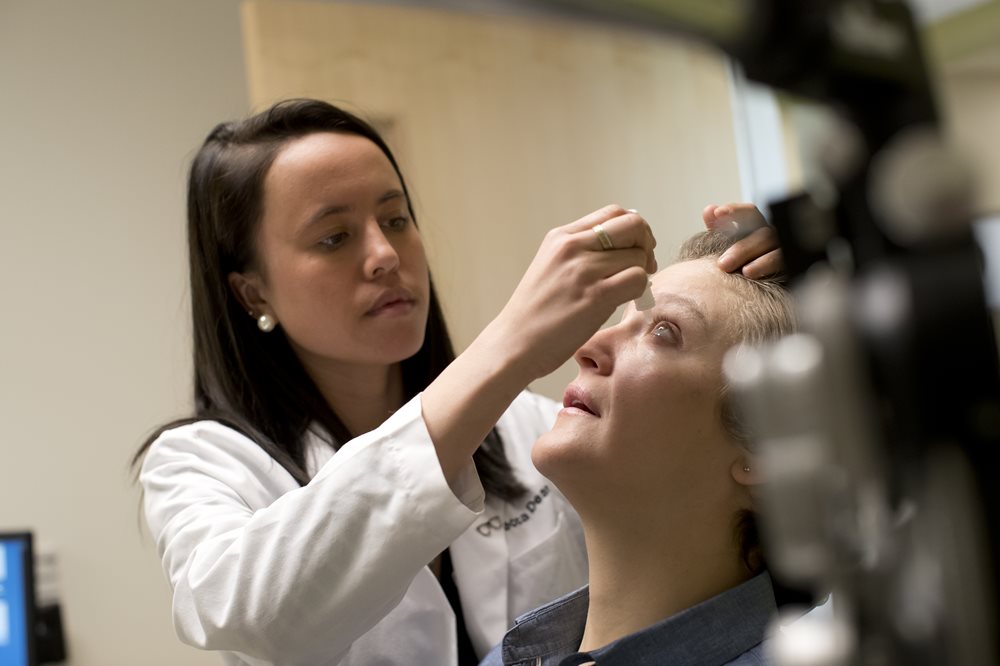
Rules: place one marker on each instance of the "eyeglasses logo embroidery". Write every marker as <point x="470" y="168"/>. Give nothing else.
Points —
<point x="494" y="523"/>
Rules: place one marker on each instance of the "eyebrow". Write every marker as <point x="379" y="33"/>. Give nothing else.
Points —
<point x="338" y="209"/>
<point x="390" y="195"/>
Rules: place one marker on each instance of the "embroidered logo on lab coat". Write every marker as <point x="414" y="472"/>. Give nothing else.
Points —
<point x="495" y="523"/>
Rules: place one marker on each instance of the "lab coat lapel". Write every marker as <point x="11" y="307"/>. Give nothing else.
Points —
<point x="481" y="559"/>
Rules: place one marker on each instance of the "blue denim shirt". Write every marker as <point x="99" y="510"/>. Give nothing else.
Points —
<point x="727" y="629"/>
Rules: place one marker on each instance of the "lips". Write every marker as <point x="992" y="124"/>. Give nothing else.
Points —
<point x="391" y="299"/>
<point x="577" y="397"/>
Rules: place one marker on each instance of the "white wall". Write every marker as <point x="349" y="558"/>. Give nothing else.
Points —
<point x="102" y="104"/>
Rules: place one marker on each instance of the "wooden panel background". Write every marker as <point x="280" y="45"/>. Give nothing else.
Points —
<point x="507" y="126"/>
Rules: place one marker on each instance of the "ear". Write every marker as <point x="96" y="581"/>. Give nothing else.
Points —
<point x="248" y="289"/>
<point x="745" y="470"/>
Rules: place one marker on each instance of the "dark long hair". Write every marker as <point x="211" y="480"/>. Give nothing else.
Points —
<point x="253" y="382"/>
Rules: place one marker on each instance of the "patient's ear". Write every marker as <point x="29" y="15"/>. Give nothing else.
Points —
<point x="745" y="470"/>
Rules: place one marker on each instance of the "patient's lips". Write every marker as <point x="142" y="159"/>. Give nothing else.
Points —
<point x="577" y="399"/>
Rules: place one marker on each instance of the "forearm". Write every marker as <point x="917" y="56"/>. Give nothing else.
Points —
<point x="469" y="396"/>
<point x="570" y="289"/>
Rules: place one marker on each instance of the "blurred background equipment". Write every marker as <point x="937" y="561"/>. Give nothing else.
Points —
<point x="877" y="421"/>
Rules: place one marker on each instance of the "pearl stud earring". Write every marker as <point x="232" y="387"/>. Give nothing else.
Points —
<point x="266" y="323"/>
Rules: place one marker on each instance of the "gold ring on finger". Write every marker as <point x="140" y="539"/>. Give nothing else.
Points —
<point x="603" y="236"/>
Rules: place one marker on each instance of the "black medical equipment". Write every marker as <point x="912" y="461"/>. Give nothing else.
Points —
<point x="878" y="422"/>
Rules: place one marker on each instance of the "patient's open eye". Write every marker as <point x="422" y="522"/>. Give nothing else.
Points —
<point x="666" y="331"/>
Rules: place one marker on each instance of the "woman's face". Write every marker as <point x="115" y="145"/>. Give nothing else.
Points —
<point x="343" y="267"/>
<point x="643" y="415"/>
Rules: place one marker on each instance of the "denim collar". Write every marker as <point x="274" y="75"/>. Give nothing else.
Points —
<point x="714" y="632"/>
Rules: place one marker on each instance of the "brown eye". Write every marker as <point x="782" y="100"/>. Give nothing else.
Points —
<point x="397" y="223"/>
<point x="666" y="331"/>
<point x="334" y="241"/>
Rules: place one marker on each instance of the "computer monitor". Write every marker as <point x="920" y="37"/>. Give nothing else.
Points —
<point x="17" y="600"/>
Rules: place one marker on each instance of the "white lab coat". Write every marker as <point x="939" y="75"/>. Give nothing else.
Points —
<point x="335" y="572"/>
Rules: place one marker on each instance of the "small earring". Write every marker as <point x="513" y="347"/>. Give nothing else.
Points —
<point x="746" y="468"/>
<point x="265" y="323"/>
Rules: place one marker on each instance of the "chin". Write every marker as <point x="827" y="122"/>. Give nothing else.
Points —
<point x="402" y="347"/>
<point x="559" y="455"/>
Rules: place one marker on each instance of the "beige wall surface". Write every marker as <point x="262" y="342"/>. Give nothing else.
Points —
<point x="102" y="104"/>
<point x="508" y="126"/>
<point x="969" y="90"/>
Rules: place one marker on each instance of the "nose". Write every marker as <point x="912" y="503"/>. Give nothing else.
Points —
<point x="597" y="353"/>
<point x="380" y="254"/>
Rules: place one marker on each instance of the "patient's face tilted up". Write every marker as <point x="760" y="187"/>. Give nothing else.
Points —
<point x="642" y="420"/>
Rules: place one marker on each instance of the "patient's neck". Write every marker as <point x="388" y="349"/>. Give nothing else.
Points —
<point x="643" y="571"/>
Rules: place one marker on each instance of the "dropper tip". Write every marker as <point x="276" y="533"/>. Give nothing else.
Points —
<point x="645" y="301"/>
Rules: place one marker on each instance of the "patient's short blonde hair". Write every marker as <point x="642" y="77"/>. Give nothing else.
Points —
<point x="766" y="315"/>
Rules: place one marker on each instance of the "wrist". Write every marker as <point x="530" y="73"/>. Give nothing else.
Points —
<point x="508" y="354"/>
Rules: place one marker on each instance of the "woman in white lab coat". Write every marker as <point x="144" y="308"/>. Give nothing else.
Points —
<point x="347" y="491"/>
